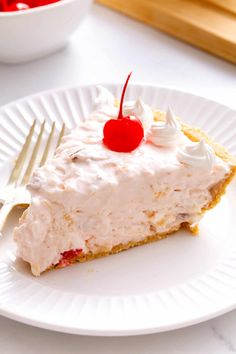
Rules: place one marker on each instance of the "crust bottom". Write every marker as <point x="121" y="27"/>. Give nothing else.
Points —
<point x="122" y="247"/>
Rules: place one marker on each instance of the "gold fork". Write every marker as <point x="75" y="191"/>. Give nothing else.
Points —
<point x="14" y="193"/>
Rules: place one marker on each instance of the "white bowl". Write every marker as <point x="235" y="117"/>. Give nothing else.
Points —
<point x="30" y="34"/>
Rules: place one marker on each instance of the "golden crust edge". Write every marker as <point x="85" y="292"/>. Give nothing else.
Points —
<point x="123" y="247"/>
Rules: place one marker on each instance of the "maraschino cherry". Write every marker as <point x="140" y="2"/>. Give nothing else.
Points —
<point x="123" y="134"/>
<point x="18" y="6"/>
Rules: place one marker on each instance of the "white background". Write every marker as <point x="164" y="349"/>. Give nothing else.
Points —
<point x="104" y="49"/>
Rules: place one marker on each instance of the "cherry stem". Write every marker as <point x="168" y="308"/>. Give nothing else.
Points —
<point x="120" y="115"/>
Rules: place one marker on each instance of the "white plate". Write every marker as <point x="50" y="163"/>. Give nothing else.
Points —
<point x="161" y="286"/>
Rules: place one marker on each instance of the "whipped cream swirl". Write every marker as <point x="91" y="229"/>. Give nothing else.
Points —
<point x="140" y="110"/>
<point x="104" y="98"/>
<point x="104" y="105"/>
<point x="165" y="133"/>
<point x="198" y="155"/>
<point x="104" y="108"/>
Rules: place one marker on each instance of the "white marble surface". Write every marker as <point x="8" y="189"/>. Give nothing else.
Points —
<point x="105" y="48"/>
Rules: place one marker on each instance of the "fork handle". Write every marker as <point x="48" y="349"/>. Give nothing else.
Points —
<point x="4" y="212"/>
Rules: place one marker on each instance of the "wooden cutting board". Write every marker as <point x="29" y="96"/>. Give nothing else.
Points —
<point x="208" y="24"/>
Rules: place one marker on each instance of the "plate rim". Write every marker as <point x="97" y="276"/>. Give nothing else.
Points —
<point x="115" y="333"/>
<point x="117" y="83"/>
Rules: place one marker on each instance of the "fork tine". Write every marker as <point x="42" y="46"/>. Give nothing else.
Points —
<point x="51" y="153"/>
<point x="21" y="157"/>
<point x="29" y="169"/>
<point x="47" y="148"/>
<point x="61" y="134"/>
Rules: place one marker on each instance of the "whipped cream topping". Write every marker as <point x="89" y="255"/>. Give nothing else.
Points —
<point x="198" y="155"/>
<point x="165" y="133"/>
<point x="104" y="108"/>
<point x="104" y="105"/>
<point x="140" y="110"/>
<point x="103" y="98"/>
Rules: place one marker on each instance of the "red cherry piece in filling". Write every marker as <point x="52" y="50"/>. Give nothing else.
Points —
<point x="69" y="255"/>
<point x="123" y="134"/>
<point x="17" y="6"/>
<point x="63" y="263"/>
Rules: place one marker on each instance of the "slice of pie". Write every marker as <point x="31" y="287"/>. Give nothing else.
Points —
<point x="112" y="186"/>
